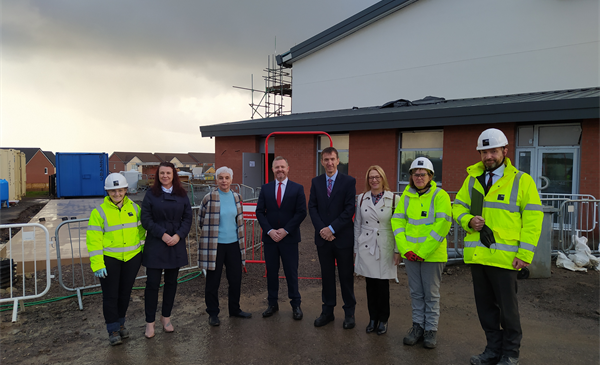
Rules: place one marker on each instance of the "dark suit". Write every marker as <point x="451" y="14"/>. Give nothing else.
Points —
<point x="289" y="217"/>
<point x="335" y="211"/>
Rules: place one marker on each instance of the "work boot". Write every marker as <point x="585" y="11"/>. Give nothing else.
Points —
<point x="114" y="338"/>
<point x="430" y="340"/>
<point x="414" y="334"/>
<point x="507" y="360"/>
<point x="488" y="357"/>
<point x="123" y="332"/>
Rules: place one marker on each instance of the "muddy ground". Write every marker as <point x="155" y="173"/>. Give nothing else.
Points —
<point x="560" y="318"/>
<point x="16" y="215"/>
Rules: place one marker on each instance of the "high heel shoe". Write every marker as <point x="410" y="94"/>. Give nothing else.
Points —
<point x="149" y="330"/>
<point x="167" y="326"/>
<point x="382" y="328"/>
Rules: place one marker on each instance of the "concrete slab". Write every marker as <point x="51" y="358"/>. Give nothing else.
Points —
<point x="28" y="247"/>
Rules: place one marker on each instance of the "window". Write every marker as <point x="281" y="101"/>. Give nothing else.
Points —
<point x="341" y="142"/>
<point x="549" y="135"/>
<point x="559" y="135"/>
<point x="46" y="170"/>
<point x="420" y="144"/>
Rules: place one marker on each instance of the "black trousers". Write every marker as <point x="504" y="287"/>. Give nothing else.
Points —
<point x="116" y="289"/>
<point x="497" y="307"/>
<point x="288" y="252"/>
<point x="151" y="292"/>
<point x="378" y="299"/>
<point x="230" y="256"/>
<point x="328" y="254"/>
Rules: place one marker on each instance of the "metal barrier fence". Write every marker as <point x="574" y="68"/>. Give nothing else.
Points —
<point x="75" y="274"/>
<point x="18" y="251"/>
<point x="577" y="218"/>
<point x="197" y="191"/>
<point x="254" y="247"/>
<point x="556" y="200"/>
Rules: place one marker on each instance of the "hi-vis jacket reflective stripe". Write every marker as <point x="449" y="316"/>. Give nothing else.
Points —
<point x="421" y="223"/>
<point x="513" y="211"/>
<point x="114" y="232"/>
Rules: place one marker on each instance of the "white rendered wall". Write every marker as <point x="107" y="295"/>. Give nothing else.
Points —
<point x="455" y="49"/>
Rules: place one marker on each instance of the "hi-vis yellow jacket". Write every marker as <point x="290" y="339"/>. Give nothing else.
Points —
<point x="114" y="232"/>
<point x="511" y="209"/>
<point x="421" y="223"/>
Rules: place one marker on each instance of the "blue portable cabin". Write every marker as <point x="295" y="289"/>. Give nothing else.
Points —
<point x="3" y="193"/>
<point x="81" y="174"/>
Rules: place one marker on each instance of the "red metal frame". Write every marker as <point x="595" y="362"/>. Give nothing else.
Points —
<point x="262" y="261"/>
<point x="267" y="147"/>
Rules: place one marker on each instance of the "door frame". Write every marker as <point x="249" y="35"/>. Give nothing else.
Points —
<point x="557" y="149"/>
<point x="538" y="151"/>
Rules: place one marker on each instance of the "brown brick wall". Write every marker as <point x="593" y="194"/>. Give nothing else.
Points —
<point x="229" y="152"/>
<point x="376" y="147"/>
<point x="150" y="171"/>
<point x="589" y="177"/>
<point x="115" y="164"/>
<point x="380" y="147"/>
<point x="35" y="172"/>
<point x="301" y="153"/>
<point x="460" y="143"/>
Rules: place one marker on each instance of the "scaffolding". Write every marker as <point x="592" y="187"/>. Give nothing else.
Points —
<point x="278" y="91"/>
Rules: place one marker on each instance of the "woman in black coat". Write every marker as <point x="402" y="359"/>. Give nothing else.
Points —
<point x="167" y="218"/>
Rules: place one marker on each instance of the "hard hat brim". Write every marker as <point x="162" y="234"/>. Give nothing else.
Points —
<point x="116" y="187"/>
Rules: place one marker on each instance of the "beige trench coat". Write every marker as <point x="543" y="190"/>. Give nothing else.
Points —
<point x="374" y="243"/>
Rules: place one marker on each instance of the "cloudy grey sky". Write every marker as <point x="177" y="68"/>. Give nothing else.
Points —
<point x="141" y="75"/>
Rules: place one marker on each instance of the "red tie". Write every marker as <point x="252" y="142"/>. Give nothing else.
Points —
<point x="279" y="195"/>
<point x="489" y="182"/>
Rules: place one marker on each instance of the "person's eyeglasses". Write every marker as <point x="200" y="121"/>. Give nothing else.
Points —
<point x="374" y="177"/>
<point x="422" y="175"/>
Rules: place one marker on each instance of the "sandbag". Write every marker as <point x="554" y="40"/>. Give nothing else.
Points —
<point x="563" y="261"/>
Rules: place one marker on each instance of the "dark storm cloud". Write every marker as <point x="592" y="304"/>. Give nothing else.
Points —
<point x="141" y="69"/>
<point x="191" y="34"/>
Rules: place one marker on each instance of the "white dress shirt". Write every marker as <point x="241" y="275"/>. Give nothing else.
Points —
<point x="283" y="185"/>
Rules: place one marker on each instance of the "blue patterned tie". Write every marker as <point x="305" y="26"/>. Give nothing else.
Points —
<point x="329" y="184"/>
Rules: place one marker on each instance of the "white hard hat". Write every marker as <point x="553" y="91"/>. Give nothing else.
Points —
<point x="115" y="181"/>
<point x="421" y="163"/>
<point x="491" y="138"/>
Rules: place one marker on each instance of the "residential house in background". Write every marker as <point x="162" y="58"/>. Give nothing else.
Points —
<point x="40" y="165"/>
<point x="146" y="162"/>
<point x="180" y="160"/>
<point x="203" y="158"/>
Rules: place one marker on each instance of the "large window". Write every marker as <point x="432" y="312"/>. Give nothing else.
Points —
<point x="341" y="142"/>
<point x="420" y="144"/>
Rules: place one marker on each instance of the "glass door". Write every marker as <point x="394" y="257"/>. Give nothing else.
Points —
<point x="557" y="171"/>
